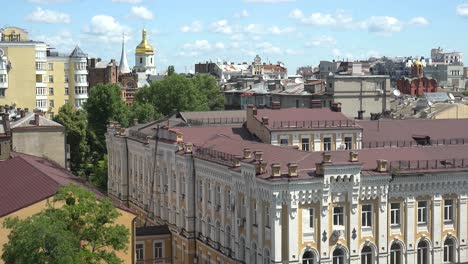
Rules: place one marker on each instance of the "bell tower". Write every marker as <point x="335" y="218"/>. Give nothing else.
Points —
<point x="144" y="56"/>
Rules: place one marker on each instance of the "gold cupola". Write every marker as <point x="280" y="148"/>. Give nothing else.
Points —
<point x="144" y="47"/>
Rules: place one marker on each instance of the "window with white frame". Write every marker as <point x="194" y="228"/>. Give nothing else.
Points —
<point x="81" y="90"/>
<point x="140" y="251"/>
<point x="2" y="92"/>
<point x="51" y="78"/>
<point x="80" y="65"/>
<point x="366" y="215"/>
<point x="311" y="217"/>
<point x="41" y="91"/>
<point x="80" y="102"/>
<point x="449" y="250"/>
<point x="40" y="66"/>
<point x="158" y="250"/>
<point x="3" y="78"/>
<point x="40" y="54"/>
<point x="42" y="103"/>
<point x="327" y="143"/>
<point x="348" y="141"/>
<point x="305" y="144"/>
<point x="448" y="210"/>
<point x="395" y="254"/>
<point x="51" y="66"/>
<point x="51" y="91"/>
<point x="66" y="78"/>
<point x="395" y="214"/>
<point x="338" y="216"/>
<point x="284" y="141"/>
<point x="80" y="78"/>
<point x="422" y="212"/>
<point x="51" y="103"/>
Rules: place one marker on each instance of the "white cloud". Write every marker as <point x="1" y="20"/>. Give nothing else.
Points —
<point x="48" y="1"/>
<point x="268" y="48"/>
<point x="142" y="12"/>
<point x="462" y="10"/>
<point x="105" y="28"/>
<point x="219" y="45"/>
<point x="294" y="51"/>
<point x="339" y="53"/>
<point x="48" y="16"/>
<point x="339" y="18"/>
<point x="63" y="41"/>
<point x="296" y="14"/>
<point x="382" y="25"/>
<point x="419" y="21"/>
<point x="221" y="26"/>
<point x="243" y="13"/>
<point x="199" y="47"/>
<point x="322" y="41"/>
<point x="254" y="29"/>
<point x="268" y="1"/>
<point x="128" y="1"/>
<point x="278" y="31"/>
<point x="195" y="26"/>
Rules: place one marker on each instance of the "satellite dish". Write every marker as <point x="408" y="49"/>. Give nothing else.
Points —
<point x="229" y="77"/>
<point x="451" y="96"/>
<point x="282" y="82"/>
<point x="281" y="65"/>
<point x="298" y="80"/>
<point x="396" y="93"/>
<point x="265" y="77"/>
<point x="429" y="103"/>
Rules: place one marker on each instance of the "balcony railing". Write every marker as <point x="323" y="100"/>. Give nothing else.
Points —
<point x="437" y="164"/>
<point x="312" y="124"/>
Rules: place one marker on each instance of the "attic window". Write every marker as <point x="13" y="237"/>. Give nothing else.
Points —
<point x="422" y="140"/>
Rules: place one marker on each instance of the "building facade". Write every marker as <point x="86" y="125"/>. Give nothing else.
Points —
<point x="227" y="198"/>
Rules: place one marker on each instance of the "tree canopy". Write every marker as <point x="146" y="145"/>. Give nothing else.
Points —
<point x="74" y="228"/>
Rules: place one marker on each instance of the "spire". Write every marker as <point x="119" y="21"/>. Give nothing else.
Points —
<point x="123" y="67"/>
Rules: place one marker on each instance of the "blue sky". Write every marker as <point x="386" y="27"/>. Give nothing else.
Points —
<point x="296" y="32"/>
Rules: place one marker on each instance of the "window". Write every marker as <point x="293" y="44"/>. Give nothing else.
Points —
<point x="40" y="91"/>
<point x="395" y="214"/>
<point x="51" y="66"/>
<point x="81" y="90"/>
<point x="51" y="115"/>
<point x="80" y="65"/>
<point x="395" y="254"/>
<point x="2" y="92"/>
<point x="242" y="249"/>
<point x="41" y="103"/>
<point x="209" y="192"/>
<point x="218" y="195"/>
<point x="327" y="143"/>
<point x="51" y="103"/>
<point x="79" y="102"/>
<point x="158" y="250"/>
<point x="80" y="78"/>
<point x="140" y="252"/>
<point x="448" y="210"/>
<point x="228" y="199"/>
<point x="422" y="212"/>
<point x="40" y="55"/>
<point x="67" y="101"/>
<point x="141" y="60"/>
<point x="311" y="218"/>
<point x="51" y="91"/>
<point x="308" y="258"/>
<point x="284" y="142"/>
<point x="200" y="190"/>
<point x="218" y="232"/>
<point x="174" y="182"/>
<point x="267" y="216"/>
<point x="243" y="213"/>
<point x="366" y="255"/>
<point x="253" y="254"/>
<point x="305" y="144"/>
<point x="423" y="256"/>
<point x="338" y="256"/>
<point x="67" y="91"/>
<point x="255" y="213"/>
<point x="348" y="142"/>
<point x="66" y="66"/>
<point x="338" y="216"/>
<point x="266" y="257"/>
<point x="151" y="60"/>
<point x="3" y="78"/>
<point x="449" y="251"/>
<point x="228" y="237"/>
<point x="51" y="78"/>
<point x="40" y="66"/>
<point x="366" y="215"/>
<point x="66" y="78"/>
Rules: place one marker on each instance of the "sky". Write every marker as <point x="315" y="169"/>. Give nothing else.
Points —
<point x="295" y="32"/>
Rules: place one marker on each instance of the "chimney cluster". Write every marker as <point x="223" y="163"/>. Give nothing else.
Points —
<point x="36" y="119"/>
<point x="247" y="153"/>
<point x="336" y="107"/>
<point x="382" y="165"/>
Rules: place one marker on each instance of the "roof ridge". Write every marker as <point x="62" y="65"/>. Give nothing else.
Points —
<point x="38" y="169"/>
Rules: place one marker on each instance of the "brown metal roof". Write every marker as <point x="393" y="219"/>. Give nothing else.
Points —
<point x="152" y="230"/>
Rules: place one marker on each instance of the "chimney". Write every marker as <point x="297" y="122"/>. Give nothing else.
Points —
<point x="315" y="104"/>
<point x="188" y="148"/>
<point x="260" y="167"/>
<point x="275" y="105"/>
<point x="147" y="140"/>
<point x="247" y="153"/>
<point x="382" y="165"/>
<point x="353" y="156"/>
<point x="237" y="159"/>
<point x="36" y="119"/>
<point x="326" y="157"/>
<point x="258" y="155"/>
<point x="22" y="113"/>
<point x="275" y="170"/>
<point x="135" y="121"/>
<point x="180" y="138"/>
<point x="1" y="108"/>
<point x="265" y="120"/>
<point x="26" y="110"/>
<point x="292" y="169"/>
<point x="6" y="123"/>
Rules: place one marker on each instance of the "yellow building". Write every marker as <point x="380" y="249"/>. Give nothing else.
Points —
<point x="32" y="76"/>
<point x="28" y="183"/>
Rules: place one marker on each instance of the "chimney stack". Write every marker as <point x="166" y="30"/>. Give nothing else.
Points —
<point x="26" y="110"/>
<point x="292" y="169"/>
<point x="247" y="153"/>
<point x="258" y="155"/>
<point x="260" y="167"/>
<point x="237" y="159"/>
<point x="265" y="120"/>
<point x="275" y="170"/>
<point x="382" y="165"/>
<point x="135" y="121"/>
<point x="326" y="157"/>
<point x="188" y="148"/>
<point x="353" y="156"/>
<point x="36" y="119"/>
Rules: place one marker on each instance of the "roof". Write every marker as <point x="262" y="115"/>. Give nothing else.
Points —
<point x="437" y="97"/>
<point x="26" y="180"/>
<point x="29" y="121"/>
<point x="152" y="230"/>
<point x="228" y="115"/>
<point x="78" y="53"/>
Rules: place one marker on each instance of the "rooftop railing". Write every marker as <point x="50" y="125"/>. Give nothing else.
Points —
<point x="215" y="156"/>
<point x="437" y="164"/>
<point x="414" y="142"/>
<point x="313" y="124"/>
<point x="215" y="121"/>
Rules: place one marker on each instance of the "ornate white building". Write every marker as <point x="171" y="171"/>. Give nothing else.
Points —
<point x="229" y="198"/>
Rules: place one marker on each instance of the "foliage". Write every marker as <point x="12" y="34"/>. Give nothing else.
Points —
<point x="170" y="70"/>
<point x="76" y="126"/>
<point x="100" y="174"/>
<point x="176" y="92"/>
<point x="104" y="104"/>
<point x="74" y="228"/>
<point x="144" y="112"/>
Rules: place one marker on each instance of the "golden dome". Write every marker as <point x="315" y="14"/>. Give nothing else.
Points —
<point x="144" y="47"/>
<point x="417" y="63"/>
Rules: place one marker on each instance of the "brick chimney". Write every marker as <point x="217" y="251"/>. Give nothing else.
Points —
<point x="326" y="157"/>
<point x="260" y="167"/>
<point x="353" y="156"/>
<point x="247" y="153"/>
<point x="36" y="119"/>
<point x="292" y="169"/>
<point x="237" y="159"/>
<point x="382" y="165"/>
<point x="188" y="148"/>
<point x="275" y="170"/>
<point x="22" y="113"/>
<point x="265" y="120"/>
<point x="258" y="155"/>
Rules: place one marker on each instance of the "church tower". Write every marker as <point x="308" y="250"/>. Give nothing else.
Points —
<point x="123" y="66"/>
<point x="144" y="56"/>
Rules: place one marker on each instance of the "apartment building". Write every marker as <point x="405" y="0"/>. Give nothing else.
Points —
<point x="32" y="76"/>
<point x="227" y="197"/>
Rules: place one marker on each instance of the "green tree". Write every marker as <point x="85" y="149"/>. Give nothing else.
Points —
<point x="99" y="178"/>
<point x="105" y="103"/>
<point x="76" y="127"/>
<point x="170" y="70"/>
<point x="74" y="228"/>
<point x="208" y="87"/>
<point x="144" y="112"/>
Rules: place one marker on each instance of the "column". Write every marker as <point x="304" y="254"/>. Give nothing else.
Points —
<point x="324" y="231"/>
<point x="409" y="230"/>
<point x="436" y="228"/>
<point x="293" y="228"/>
<point x="462" y="227"/>
<point x="276" y="210"/>
<point x="351" y="234"/>
<point x="383" y="226"/>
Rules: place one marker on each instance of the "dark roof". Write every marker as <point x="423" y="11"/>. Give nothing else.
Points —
<point x="206" y="116"/>
<point x="26" y="180"/>
<point x="78" y="53"/>
<point x="152" y="230"/>
<point x="300" y="114"/>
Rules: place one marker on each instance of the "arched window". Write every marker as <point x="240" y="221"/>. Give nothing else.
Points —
<point x="253" y="254"/>
<point x="183" y="222"/>
<point x="338" y="256"/>
<point x="218" y="232"/>
<point x="200" y="223"/>
<point x="242" y="249"/>
<point x="266" y="256"/>
<point x="366" y="255"/>
<point x="141" y="60"/>
<point x="308" y="258"/>
<point x="208" y="228"/>
<point x="423" y="254"/>
<point x="151" y="60"/>
<point x="449" y="251"/>
<point x="227" y="241"/>
<point x="395" y="254"/>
